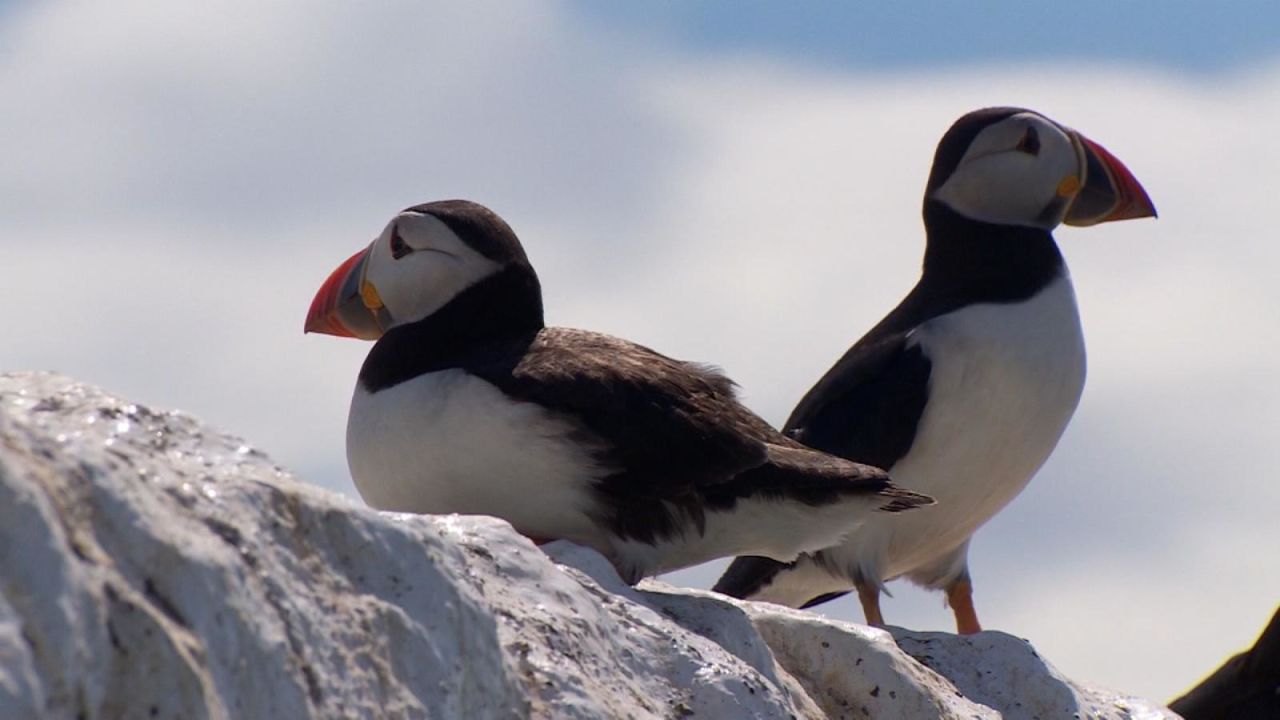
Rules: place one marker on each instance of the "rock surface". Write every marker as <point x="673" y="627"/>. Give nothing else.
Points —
<point x="152" y="567"/>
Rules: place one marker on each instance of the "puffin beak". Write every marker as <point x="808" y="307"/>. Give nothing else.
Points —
<point x="347" y="304"/>
<point x="1110" y="191"/>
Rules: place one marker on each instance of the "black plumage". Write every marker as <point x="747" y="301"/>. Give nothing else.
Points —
<point x="1246" y="687"/>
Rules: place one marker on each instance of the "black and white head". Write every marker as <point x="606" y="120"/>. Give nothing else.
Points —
<point x="1011" y="166"/>
<point x="426" y="257"/>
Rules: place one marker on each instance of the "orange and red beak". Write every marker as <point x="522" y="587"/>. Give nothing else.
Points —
<point x="1110" y="192"/>
<point x="347" y="304"/>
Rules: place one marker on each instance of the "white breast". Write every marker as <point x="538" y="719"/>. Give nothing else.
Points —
<point x="449" y="442"/>
<point x="1005" y="381"/>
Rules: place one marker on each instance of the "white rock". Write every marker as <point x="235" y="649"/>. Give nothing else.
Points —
<point x="151" y="567"/>
<point x="854" y="671"/>
<point x="1005" y="672"/>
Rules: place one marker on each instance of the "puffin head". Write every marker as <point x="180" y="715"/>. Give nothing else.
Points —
<point x="1011" y="166"/>
<point x="425" y="257"/>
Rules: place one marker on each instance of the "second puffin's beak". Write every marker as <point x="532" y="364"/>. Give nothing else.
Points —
<point x="1110" y="191"/>
<point x="348" y="305"/>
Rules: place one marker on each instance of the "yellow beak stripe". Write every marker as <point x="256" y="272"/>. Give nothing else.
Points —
<point x="1069" y="186"/>
<point x="369" y="294"/>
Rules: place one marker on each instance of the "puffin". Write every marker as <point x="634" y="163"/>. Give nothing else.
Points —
<point x="962" y="391"/>
<point x="468" y="403"/>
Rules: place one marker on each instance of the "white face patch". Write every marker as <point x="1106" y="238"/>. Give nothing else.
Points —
<point x="432" y="267"/>
<point x="1012" y="174"/>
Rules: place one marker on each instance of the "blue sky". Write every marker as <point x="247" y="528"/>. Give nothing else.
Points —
<point x="734" y="183"/>
<point x="1181" y="36"/>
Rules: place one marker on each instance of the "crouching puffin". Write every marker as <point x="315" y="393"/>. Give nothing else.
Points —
<point x="963" y="390"/>
<point x="467" y="403"/>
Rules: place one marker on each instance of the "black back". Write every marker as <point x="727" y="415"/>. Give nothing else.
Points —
<point x="673" y="433"/>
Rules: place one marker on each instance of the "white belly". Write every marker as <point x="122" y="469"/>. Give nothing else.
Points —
<point x="449" y="442"/>
<point x="1005" y="381"/>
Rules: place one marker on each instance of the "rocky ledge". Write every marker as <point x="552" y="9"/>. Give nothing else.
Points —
<point x="151" y="567"/>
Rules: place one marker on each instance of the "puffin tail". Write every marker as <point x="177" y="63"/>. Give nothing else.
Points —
<point x="746" y="575"/>
<point x="798" y="473"/>
<point x="801" y="501"/>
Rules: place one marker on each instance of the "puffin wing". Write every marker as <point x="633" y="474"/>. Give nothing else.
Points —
<point x="866" y="408"/>
<point x="868" y="405"/>
<point x="672" y="434"/>
<point x="671" y="422"/>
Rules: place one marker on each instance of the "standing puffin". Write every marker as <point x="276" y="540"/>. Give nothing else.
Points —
<point x="467" y="403"/>
<point x="963" y="390"/>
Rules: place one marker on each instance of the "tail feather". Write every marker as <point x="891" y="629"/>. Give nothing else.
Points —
<point x="747" y="574"/>
<point x="816" y="478"/>
<point x="902" y="499"/>
<point x="798" y="473"/>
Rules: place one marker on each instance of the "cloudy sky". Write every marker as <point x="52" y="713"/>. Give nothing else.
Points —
<point x="734" y="183"/>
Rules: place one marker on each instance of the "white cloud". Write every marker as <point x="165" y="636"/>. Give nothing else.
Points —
<point x="180" y="181"/>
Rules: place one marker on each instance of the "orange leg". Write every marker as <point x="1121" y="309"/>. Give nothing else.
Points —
<point x="960" y="598"/>
<point x="869" y="596"/>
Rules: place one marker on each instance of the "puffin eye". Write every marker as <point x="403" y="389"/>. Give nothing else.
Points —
<point x="399" y="248"/>
<point x="1030" y="142"/>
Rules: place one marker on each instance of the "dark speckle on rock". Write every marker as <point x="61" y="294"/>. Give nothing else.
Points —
<point x="47" y="404"/>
